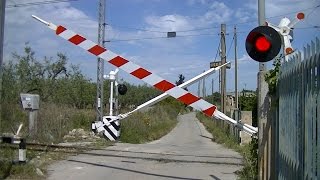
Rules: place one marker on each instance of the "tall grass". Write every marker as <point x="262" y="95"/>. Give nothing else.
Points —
<point x="148" y="126"/>
<point x="53" y="121"/>
<point x="56" y="121"/>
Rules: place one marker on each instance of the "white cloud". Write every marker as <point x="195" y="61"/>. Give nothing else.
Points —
<point x="219" y="12"/>
<point x="245" y="58"/>
<point x="172" y="22"/>
<point x="243" y="15"/>
<point x="167" y="57"/>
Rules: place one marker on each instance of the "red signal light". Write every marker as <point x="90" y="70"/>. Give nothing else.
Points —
<point x="262" y="44"/>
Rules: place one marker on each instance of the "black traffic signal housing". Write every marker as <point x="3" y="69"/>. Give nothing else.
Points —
<point x="122" y="89"/>
<point x="263" y="43"/>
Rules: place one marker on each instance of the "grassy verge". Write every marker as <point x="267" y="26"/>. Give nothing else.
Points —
<point x="148" y="126"/>
<point x="138" y="128"/>
<point x="248" y="151"/>
<point x="35" y="168"/>
<point x="38" y="160"/>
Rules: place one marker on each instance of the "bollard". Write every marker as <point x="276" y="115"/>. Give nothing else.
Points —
<point x="22" y="152"/>
<point x="93" y="127"/>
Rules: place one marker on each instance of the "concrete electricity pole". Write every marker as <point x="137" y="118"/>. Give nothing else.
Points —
<point x="236" y="111"/>
<point x="2" y="17"/>
<point x="262" y="106"/>
<point x="100" y="67"/>
<point x="235" y="69"/>
<point x="223" y="69"/>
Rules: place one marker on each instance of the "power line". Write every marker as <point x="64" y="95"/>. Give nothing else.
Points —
<point x="230" y="46"/>
<point x="215" y="27"/>
<point x="38" y="3"/>
<point x="314" y="7"/>
<point x="160" y="37"/>
<point x="139" y="29"/>
<point x="280" y="15"/>
<point x="148" y="30"/>
<point x="218" y="50"/>
<point x="311" y="27"/>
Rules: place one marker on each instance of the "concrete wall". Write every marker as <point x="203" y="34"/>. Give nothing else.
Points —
<point x="246" y="117"/>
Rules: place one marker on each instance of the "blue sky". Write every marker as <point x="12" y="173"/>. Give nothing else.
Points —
<point x="196" y="21"/>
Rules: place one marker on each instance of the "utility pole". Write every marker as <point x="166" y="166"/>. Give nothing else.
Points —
<point x="223" y="69"/>
<point x="100" y="68"/>
<point x="264" y="164"/>
<point x="235" y="69"/>
<point x="236" y="111"/>
<point x="2" y="18"/>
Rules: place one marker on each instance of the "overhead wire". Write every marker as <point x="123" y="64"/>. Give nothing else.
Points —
<point x="37" y="3"/>
<point x="208" y="28"/>
<point x="218" y="50"/>
<point x="311" y="27"/>
<point x="230" y="46"/>
<point x="148" y="30"/>
<point x="160" y="37"/>
<point x="314" y="7"/>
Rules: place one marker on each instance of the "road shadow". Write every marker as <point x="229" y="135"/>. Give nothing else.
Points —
<point x="215" y="177"/>
<point x="133" y="171"/>
<point x="212" y="139"/>
<point x="162" y="159"/>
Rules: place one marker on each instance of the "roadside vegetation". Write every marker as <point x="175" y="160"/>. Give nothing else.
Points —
<point x="67" y="102"/>
<point x="221" y="134"/>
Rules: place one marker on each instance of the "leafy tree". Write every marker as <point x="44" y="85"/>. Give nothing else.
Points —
<point x="247" y="102"/>
<point x="181" y="81"/>
<point x="273" y="75"/>
<point x="215" y="98"/>
<point x="49" y="78"/>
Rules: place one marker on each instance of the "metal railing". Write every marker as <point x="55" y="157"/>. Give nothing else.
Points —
<point x="298" y="141"/>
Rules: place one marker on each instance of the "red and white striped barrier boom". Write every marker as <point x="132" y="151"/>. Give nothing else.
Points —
<point x="145" y="75"/>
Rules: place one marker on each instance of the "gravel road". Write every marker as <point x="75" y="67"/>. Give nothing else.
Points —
<point x="187" y="152"/>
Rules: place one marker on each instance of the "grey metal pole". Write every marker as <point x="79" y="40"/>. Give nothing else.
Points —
<point x="203" y="87"/>
<point x="212" y="86"/>
<point x="100" y="66"/>
<point x="199" y="85"/>
<point x="2" y="19"/>
<point x="33" y="123"/>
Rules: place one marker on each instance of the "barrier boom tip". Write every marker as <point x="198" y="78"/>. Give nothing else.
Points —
<point x="50" y="25"/>
<point x="40" y="20"/>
